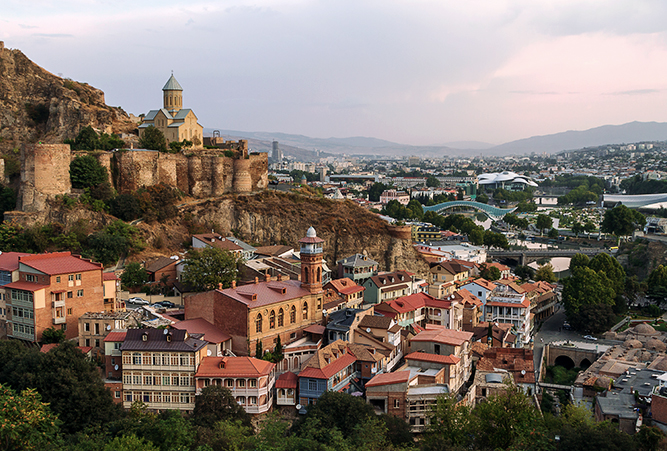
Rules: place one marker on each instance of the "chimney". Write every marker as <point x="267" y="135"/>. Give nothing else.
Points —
<point x="267" y="277"/>
<point x="234" y="284"/>
<point x="220" y="286"/>
<point x="256" y="279"/>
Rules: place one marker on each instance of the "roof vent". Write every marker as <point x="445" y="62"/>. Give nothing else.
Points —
<point x="144" y="336"/>
<point x="169" y="338"/>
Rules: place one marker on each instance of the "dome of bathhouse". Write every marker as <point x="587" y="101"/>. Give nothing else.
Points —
<point x="311" y="232"/>
<point x="632" y="343"/>
<point x="661" y="365"/>
<point x="643" y="329"/>
<point x="654" y="344"/>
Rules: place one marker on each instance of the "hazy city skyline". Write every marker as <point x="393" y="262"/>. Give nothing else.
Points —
<point x="427" y="72"/>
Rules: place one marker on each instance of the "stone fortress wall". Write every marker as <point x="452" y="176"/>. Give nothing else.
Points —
<point x="206" y="173"/>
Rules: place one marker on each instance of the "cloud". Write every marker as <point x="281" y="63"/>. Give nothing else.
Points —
<point x="635" y="92"/>
<point x="52" y="35"/>
<point x="27" y="27"/>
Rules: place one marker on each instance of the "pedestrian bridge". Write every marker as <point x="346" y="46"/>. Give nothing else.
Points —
<point x="525" y="256"/>
<point x="492" y="212"/>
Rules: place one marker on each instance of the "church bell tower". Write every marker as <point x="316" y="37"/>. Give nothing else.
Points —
<point x="311" y="261"/>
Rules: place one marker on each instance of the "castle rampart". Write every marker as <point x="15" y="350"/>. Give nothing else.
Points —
<point x="44" y="175"/>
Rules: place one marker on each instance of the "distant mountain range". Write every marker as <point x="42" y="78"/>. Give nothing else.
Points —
<point x="306" y="148"/>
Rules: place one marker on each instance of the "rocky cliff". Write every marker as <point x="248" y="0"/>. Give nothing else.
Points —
<point x="37" y="105"/>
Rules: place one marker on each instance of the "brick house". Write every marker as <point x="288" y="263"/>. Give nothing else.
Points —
<point x="52" y="290"/>
<point x="250" y="380"/>
<point x="163" y="270"/>
<point x="387" y="393"/>
<point x="94" y="327"/>
<point x="387" y="286"/>
<point x="261" y="312"/>
<point x="350" y="293"/>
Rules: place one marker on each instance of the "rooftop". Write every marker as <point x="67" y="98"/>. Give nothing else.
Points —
<point x="59" y="263"/>
<point x="439" y="334"/>
<point x="234" y="367"/>
<point x="211" y="333"/>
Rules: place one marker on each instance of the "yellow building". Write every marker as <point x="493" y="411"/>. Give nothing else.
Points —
<point x="174" y="121"/>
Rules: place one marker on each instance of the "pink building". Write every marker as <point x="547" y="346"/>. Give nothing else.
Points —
<point x="391" y="194"/>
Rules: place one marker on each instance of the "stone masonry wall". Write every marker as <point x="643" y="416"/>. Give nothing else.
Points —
<point x="196" y="175"/>
<point x="44" y="175"/>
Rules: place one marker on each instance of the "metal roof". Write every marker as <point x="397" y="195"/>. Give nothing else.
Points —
<point x="172" y="85"/>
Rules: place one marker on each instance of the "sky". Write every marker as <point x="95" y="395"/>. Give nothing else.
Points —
<point x="414" y="72"/>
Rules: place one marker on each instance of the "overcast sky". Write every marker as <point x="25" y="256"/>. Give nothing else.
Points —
<point x="414" y="72"/>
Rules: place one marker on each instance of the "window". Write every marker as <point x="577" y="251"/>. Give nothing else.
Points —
<point x="281" y="318"/>
<point x="240" y="400"/>
<point x="252" y="383"/>
<point x="69" y="311"/>
<point x="57" y="279"/>
<point x="312" y="384"/>
<point x="136" y="358"/>
<point x="97" y="328"/>
<point x="305" y="310"/>
<point x="241" y="383"/>
<point x="184" y="359"/>
<point x="292" y="315"/>
<point x="87" y="341"/>
<point x="252" y="400"/>
<point x="79" y="293"/>
<point x="78" y="277"/>
<point x="70" y="295"/>
<point x="31" y="278"/>
<point x="229" y="383"/>
<point x="396" y="403"/>
<point x="97" y="343"/>
<point x="272" y="320"/>
<point x="117" y="394"/>
<point x="70" y="277"/>
<point x="86" y="327"/>
<point x="258" y="323"/>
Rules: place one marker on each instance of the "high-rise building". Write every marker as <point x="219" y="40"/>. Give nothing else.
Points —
<point x="277" y="155"/>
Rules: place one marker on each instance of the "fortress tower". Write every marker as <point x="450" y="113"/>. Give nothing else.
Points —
<point x="173" y="96"/>
<point x="311" y="261"/>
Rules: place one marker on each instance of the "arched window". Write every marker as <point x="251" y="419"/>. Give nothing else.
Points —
<point x="296" y="362"/>
<point x="258" y="323"/>
<point x="281" y="318"/>
<point x="272" y="320"/>
<point x="305" y="274"/>
<point x="319" y="274"/>
<point x="305" y="310"/>
<point x="292" y="315"/>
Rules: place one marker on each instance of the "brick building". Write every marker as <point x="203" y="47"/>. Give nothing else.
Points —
<point x="9" y="272"/>
<point x="52" y="290"/>
<point x="94" y="327"/>
<point x="261" y="312"/>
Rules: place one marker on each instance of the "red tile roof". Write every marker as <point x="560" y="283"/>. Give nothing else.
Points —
<point x="408" y="303"/>
<point x="234" y="367"/>
<point x="316" y="329"/>
<point x="26" y="286"/>
<point x="110" y="276"/>
<point x="525" y="303"/>
<point x="266" y="293"/>
<point x="485" y="284"/>
<point x="435" y="358"/>
<point x="339" y="357"/>
<point x="9" y="261"/>
<point x="212" y="334"/>
<point x="468" y="297"/>
<point x="439" y="334"/>
<point x="330" y="369"/>
<point x="287" y="380"/>
<point x="115" y="336"/>
<point x="219" y="241"/>
<point x="47" y="347"/>
<point x="398" y="377"/>
<point x="59" y="263"/>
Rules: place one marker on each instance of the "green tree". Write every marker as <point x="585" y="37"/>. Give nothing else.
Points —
<point x="489" y="272"/>
<point x="451" y="425"/>
<point x="328" y="412"/>
<point x="612" y="269"/>
<point x="553" y="233"/>
<point x="543" y="222"/>
<point x="482" y="198"/>
<point x="134" y="275"/>
<point x="85" y="172"/>
<point x="584" y="287"/>
<point x="126" y="207"/>
<point x="579" y="260"/>
<point x="432" y="181"/>
<point x="546" y="273"/>
<point x="524" y="272"/>
<point x="53" y="335"/>
<point x="153" y="139"/>
<point x="208" y="267"/>
<point x="577" y="228"/>
<point x="589" y="227"/>
<point x="129" y="443"/>
<point x="622" y="221"/>
<point x="26" y="423"/>
<point x="656" y="283"/>
<point x="216" y="403"/>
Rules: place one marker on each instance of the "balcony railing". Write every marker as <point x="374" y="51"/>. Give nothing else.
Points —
<point x="59" y="320"/>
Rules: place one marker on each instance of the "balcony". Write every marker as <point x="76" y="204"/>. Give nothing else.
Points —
<point x="59" y="319"/>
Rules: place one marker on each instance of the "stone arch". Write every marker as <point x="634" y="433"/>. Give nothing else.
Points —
<point x="564" y="361"/>
<point x="585" y="363"/>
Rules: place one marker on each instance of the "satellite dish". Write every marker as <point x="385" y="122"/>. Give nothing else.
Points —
<point x="324" y="312"/>
<point x="208" y="353"/>
<point x="523" y="372"/>
<point x="115" y="367"/>
<point x="298" y="407"/>
<point x="108" y="327"/>
<point x="165" y="332"/>
<point x="368" y="329"/>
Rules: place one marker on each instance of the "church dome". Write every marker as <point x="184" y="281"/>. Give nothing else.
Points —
<point x="643" y="329"/>
<point x="172" y="85"/>
<point x="311" y="232"/>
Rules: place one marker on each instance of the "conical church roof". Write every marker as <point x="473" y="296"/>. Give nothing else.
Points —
<point x="172" y="85"/>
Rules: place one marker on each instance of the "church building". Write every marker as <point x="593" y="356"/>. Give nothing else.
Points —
<point x="261" y="312"/>
<point x="174" y="121"/>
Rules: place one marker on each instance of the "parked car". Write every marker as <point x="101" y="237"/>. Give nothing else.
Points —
<point x="590" y="337"/>
<point x="167" y="304"/>
<point x="137" y="300"/>
<point x="567" y="326"/>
